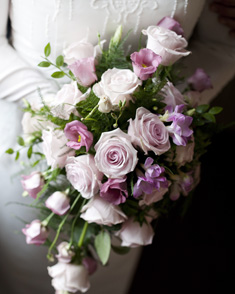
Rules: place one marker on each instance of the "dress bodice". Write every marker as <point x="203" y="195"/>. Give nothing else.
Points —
<point x="61" y="22"/>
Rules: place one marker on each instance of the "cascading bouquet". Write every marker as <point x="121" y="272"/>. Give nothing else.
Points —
<point x="121" y="145"/>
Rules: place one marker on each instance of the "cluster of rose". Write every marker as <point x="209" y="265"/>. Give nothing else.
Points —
<point x="121" y="143"/>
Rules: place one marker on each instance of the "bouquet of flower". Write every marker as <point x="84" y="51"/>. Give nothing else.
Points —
<point x="114" y="150"/>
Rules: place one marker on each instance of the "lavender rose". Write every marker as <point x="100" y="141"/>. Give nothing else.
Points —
<point x="58" y="202"/>
<point x="102" y="212"/>
<point x="148" y="132"/>
<point x="69" y="277"/>
<point x="78" y="135"/>
<point x="166" y="43"/>
<point x="32" y="183"/>
<point x="145" y="63"/>
<point x="83" y="175"/>
<point x="116" y="85"/>
<point x="35" y="233"/>
<point x="54" y="148"/>
<point x="115" y="155"/>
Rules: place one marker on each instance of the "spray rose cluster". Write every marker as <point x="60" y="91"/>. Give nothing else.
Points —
<point x="120" y="143"/>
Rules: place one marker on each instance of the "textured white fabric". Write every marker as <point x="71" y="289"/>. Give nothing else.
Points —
<point x="61" y="22"/>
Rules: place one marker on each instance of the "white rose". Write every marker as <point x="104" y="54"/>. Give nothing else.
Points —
<point x="117" y="85"/>
<point x="166" y="43"/>
<point x="69" y="277"/>
<point x="66" y="100"/>
<point x="102" y="212"/>
<point x="55" y="148"/>
<point x="134" y="235"/>
<point x="81" y="49"/>
<point x="84" y="175"/>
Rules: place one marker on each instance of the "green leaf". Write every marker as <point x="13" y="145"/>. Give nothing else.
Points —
<point x="9" y="151"/>
<point x="47" y="50"/>
<point x="20" y="141"/>
<point x="210" y="117"/>
<point x="35" y="163"/>
<point x="58" y="75"/>
<point x="17" y="155"/>
<point x="30" y="151"/>
<point x="44" y="64"/>
<point x="103" y="246"/>
<point x="121" y="249"/>
<point x="60" y="60"/>
<point x="202" y="108"/>
<point x="215" y="110"/>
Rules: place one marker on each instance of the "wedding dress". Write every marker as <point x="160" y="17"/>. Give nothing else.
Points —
<point x="34" y="23"/>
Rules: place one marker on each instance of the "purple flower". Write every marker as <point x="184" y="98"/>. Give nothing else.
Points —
<point x="179" y="129"/>
<point x="58" y="202"/>
<point x="35" y="233"/>
<point x="200" y="81"/>
<point x="84" y="70"/>
<point x="186" y="184"/>
<point x="90" y="264"/>
<point x="171" y="24"/>
<point x="151" y="180"/>
<point x="114" y="191"/>
<point x="145" y="63"/>
<point x="78" y="135"/>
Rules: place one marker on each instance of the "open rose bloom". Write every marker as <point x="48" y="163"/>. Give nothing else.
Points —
<point x="115" y="149"/>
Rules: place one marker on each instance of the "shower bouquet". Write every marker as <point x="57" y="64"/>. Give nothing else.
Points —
<point x="114" y="150"/>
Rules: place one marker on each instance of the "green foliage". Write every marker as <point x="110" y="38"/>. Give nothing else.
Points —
<point x="121" y="249"/>
<point x="60" y="60"/>
<point x="47" y="50"/>
<point x="58" y="74"/>
<point x="103" y="246"/>
<point x="9" y="151"/>
<point x="20" y="141"/>
<point x="44" y="64"/>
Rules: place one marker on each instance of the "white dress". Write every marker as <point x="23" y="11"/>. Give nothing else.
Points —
<point x="34" y="23"/>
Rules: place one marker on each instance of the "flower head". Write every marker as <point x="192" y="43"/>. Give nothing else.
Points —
<point x="32" y="183"/>
<point x="171" y="24"/>
<point x="145" y="63"/>
<point x="114" y="191"/>
<point x="35" y="233"/>
<point x="200" y="81"/>
<point x="58" y="202"/>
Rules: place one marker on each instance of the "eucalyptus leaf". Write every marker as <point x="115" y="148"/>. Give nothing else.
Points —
<point x="202" y="108"/>
<point x="60" y="60"/>
<point x="215" y="110"/>
<point x="9" y="151"/>
<point x="103" y="246"/>
<point x="44" y="64"/>
<point x="20" y="141"/>
<point x="58" y="75"/>
<point x="47" y="50"/>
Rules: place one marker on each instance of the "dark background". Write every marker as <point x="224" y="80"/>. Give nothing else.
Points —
<point x="192" y="255"/>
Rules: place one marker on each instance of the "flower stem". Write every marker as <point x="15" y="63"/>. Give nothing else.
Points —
<point x="81" y="239"/>
<point x="61" y="225"/>
<point x="90" y="113"/>
<point x="47" y="220"/>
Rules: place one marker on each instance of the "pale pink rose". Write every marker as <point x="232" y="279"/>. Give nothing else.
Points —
<point x="64" y="253"/>
<point x="172" y="95"/>
<point x="84" y="175"/>
<point x="35" y="233"/>
<point x="171" y="24"/>
<point x="102" y="212"/>
<point x="82" y="49"/>
<point x="155" y="196"/>
<point x="66" y="100"/>
<point x="133" y="234"/>
<point x="184" y="154"/>
<point x="55" y="148"/>
<point x="148" y="132"/>
<point x="58" y="203"/>
<point x="166" y="43"/>
<point x="115" y="156"/>
<point x="69" y="277"/>
<point x="84" y="70"/>
<point x="117" y="85"/>
<point x="32" y="183"/>
<point x="90" y="264"/>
